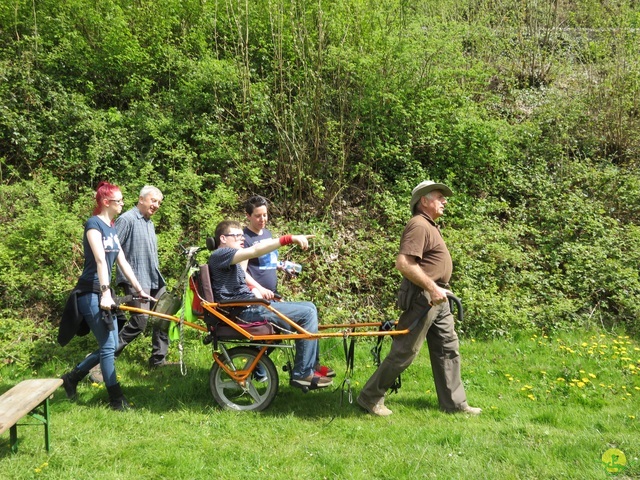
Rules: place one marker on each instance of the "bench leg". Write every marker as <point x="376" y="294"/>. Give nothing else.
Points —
<point x="13" y="438"/>
<point x="44" y="419"/>
<point x="47" y="443"/>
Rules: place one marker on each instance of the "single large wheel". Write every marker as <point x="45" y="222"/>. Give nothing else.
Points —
<point x="255" y="394"/>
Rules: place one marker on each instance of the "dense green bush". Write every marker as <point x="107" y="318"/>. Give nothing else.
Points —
<point x="334" y="111"/>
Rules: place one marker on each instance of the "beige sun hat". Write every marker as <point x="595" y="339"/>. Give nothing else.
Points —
<point x="425" y="187"/>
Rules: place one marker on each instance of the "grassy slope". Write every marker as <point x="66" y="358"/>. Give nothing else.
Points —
<point x="534" y="425"/>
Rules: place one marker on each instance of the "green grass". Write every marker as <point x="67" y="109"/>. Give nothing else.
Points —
<point x="552" y="408"/>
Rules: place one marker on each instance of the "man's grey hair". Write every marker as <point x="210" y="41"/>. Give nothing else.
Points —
<point x="431" y="194"/>
<point x="150" y="190"/>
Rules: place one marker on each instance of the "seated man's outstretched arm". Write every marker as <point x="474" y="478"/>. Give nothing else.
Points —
<point x="270" y="245"/>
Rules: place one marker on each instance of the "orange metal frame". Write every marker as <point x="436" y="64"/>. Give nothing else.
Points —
<point x="348" y="329"/>
<point x="241" y="376"/>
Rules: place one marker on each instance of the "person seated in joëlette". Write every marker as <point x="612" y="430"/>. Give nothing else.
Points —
<point x="229" y="282"/>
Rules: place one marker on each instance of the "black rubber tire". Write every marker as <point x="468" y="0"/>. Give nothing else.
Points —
<point x="254" y="396"/>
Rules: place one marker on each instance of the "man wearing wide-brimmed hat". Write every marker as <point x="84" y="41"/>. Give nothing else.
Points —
<point x="426" y="266"/>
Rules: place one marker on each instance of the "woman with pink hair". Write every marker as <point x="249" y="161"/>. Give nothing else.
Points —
<point x="94" y="296"/>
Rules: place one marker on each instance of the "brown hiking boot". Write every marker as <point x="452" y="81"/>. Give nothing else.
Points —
<point x="377" y="408"/>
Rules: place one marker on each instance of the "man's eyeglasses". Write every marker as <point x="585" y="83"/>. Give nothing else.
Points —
<point x="234" y="235"/>
<point x="121" y="201"/>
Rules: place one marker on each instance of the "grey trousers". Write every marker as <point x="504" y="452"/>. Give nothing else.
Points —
<point x="438" y="328"/>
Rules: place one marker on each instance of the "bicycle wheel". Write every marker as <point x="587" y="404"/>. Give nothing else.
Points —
<point x="256" y="394"/>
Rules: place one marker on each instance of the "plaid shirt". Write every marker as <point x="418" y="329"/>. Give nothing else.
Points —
<point x="139" y="243"/>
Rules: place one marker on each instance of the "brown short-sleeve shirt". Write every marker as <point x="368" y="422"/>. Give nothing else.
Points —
<point x="422" y="239"/>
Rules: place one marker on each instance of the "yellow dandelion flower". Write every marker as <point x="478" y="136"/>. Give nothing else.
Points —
<point x="632" y="366"/>
<point x="636" y="388"/>
<point x="560" y="379"/>
<point x="602" y="385"/>
<point x="531" y="397"/>
<point x="592" y="375"/>
<point x="632" y="417"/>
<point x="624" y="387"/>
<point x="585" y="380"/>
<point x="580" y="384"/>
<point x="582" y="371"/>
<point x="584" y="344"/>
<point x="543" y="372"/>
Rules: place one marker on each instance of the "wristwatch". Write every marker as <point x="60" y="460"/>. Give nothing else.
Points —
<point x="104" y="288"/>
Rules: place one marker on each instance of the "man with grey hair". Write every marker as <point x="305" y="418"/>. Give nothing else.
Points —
<point x="426" y="265"/>
<point x="139" y="243"/>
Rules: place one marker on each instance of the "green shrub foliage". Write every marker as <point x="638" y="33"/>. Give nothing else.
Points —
<point x="334" y="111"/>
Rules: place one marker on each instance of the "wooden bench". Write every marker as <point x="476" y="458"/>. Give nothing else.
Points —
<point x="26" y="398"/>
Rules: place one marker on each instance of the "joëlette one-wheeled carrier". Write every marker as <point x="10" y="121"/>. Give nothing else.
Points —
<point x="240" y="349"/>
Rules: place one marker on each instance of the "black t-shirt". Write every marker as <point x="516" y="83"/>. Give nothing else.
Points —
<point x="227" y="281"/>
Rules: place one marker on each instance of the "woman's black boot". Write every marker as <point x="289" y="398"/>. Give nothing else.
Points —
<point x="70" y="382"/>
<point x="117" y="400"/>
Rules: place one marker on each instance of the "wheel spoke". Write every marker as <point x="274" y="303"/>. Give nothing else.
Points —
<point x="230" y="384"/>
<point x="254" y="392"/>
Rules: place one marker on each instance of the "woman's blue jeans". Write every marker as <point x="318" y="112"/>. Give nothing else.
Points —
<point x="89" y="308"/>
<point x="302" y="313"/>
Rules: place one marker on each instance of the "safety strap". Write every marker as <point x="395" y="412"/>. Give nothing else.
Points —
<point x="183" y="366"/>
<point x="349" y="354"/>
<point x="377" y="348"/>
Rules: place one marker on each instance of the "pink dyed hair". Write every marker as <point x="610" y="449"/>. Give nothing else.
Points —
<point x="104" y="191"/>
